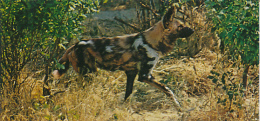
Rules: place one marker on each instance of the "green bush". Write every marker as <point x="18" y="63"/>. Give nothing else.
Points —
<point x="231" y="87"/>
<point x="236" y="22"/>
<point x="37" y="29"/>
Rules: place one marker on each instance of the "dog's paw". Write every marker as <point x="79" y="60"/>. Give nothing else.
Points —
<point x="147" y="77"/>
<point x="56" y="74"/>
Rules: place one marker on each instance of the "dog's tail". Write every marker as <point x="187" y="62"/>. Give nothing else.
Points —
<point x="68" y="57"/>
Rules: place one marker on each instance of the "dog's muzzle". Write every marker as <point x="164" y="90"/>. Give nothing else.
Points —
<point x="186" y="32"/>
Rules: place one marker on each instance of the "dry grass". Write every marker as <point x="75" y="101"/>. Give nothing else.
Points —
<point x="100" y="96"/>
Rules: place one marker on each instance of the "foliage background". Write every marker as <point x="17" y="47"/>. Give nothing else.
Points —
<point x="33" y="30"/>
<point x="237" y="24"/>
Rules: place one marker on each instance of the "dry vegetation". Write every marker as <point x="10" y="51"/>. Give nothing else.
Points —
<point x="99" y="96"/>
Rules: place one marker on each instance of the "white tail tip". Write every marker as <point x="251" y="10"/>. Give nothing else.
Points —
<point x="56" y="74"/>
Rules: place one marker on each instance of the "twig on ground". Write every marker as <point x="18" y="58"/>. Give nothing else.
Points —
<point x="130" y="25"/>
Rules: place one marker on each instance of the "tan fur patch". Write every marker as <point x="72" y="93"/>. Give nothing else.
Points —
<point x="108" y="56"/>
<point x="125" y="57"/>
<point x="65" y="55"/>
<point x="129" y="66"/>
<point x="154" y="34"/>
<point x="73" y="59"/>
<point x="95" y="54"/>
<point x="122" y="41"/>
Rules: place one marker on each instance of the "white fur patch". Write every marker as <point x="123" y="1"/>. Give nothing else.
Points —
<point x="138" y="41"/>
<point x="86" y="42"/>
<point x="109" y="48"/>
<point x="151" y="53"/>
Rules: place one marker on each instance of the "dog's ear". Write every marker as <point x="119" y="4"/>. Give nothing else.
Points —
<point x="168" y="17"/>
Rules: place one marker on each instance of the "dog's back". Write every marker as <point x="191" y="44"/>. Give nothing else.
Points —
<point x="115" y="53"/>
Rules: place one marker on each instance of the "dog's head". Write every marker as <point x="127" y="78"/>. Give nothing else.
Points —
<point x="175" y="27"/>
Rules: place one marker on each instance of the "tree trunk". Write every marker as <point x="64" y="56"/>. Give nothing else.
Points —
<point x="245" y="76"/>
<point x="1" y="71"/>
<point x="46" y="91"/>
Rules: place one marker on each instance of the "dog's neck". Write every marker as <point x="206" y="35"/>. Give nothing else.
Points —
<point x="159" y="39"/>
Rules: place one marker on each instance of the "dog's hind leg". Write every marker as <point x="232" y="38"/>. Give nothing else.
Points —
<point x="68" y="57"/>
<point x="130" y="82"/>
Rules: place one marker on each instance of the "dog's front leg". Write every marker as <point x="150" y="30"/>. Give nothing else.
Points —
<point x="146" y="76"/>
<point x="130" y="82"/>
<point x="166" y="90"/>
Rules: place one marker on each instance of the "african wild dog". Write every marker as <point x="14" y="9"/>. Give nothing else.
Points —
<point x="135" y="53"/>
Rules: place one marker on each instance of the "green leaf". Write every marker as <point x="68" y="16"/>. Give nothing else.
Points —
<point x="215" y="73"/>
<point x="211" y="77"/>
<point x="223" y="34"/>
<point x="62" y="46"/>
<point x="230" y="94"/>
<point x="47" y="117"/>
<point x="243" y="27"/>
<point x="45" y="105"/>
<point x="105" y="1"/>
<point x="37" y="106"/>
<point x="223" y="78"/>
<point x="56" y="107"/>
<point x="224" y="87"/>
<point x="115" y="116"/>
<point x="213" y="29"/>
<point x="214" y="80"/>
<point x="60" y="66"/>
<point x="236" y="93"/>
